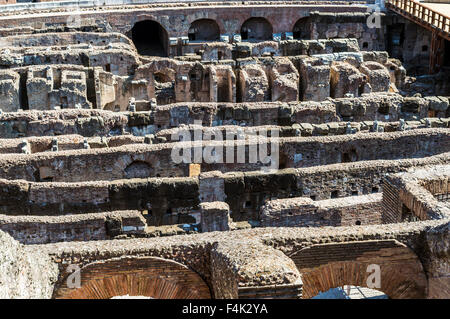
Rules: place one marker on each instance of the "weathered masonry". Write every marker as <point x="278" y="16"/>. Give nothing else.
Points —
<point x="224" y="149"/>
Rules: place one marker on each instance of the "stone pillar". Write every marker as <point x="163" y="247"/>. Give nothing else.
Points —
<point x="215" y="216"/>
<point x="211" y="187"/>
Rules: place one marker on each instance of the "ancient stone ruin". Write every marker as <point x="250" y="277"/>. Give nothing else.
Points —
<point x="267" y="149"/>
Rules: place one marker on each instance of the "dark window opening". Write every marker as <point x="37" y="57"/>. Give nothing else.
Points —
<point x="334" y="194"/>
<point x="64" y="102"/>
<point x="383" y="109"/>
<point x="407" y="215"/>
<point x="348" y="157"/>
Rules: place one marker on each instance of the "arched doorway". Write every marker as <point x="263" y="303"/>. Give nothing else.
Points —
<point x="327" y="266"/>
<point x="256" y="29"/>
<point x="302" y="29"/>
<point x="150" y="38"/>
<point x="135" y="276"/>
<point x="204" y="30"/>
<point x="138" y="169"/>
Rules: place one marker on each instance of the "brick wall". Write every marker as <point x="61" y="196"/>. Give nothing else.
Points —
<point x="304" y="212"/>
<point x="145" y="276"/>
<point x="335" y="265"/>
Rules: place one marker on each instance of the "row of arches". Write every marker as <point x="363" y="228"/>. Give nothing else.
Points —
<point x="151" y="38"/>
<point x="387" y="266"/>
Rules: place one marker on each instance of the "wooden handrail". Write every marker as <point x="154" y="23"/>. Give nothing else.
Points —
<point x="423" y="13"/>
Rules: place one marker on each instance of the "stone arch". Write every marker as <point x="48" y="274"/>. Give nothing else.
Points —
<point x="256" y="28"/>
<point x="302" y="29"/>
<point x="135" y="276"/>
<point x="334" y="265"/>
<point x="138" y="169"/>
<point x="150" y="38"/>
<point x="204" y="30"/>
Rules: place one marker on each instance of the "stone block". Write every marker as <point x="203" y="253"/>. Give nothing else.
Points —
<point x="215" y="216"/>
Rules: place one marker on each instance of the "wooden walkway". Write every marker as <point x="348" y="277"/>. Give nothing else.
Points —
<point x="432" y="16"/>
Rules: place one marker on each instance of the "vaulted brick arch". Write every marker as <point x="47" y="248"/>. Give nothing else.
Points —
<point x="302" y="29"/>
<point x="334" y="265"/>
<point x="150" y="38"/>
<point x="135" y="276"/>
<point x="204" y="30"/>
<point x="256" y="28"/>
<point x="139" y="169"/>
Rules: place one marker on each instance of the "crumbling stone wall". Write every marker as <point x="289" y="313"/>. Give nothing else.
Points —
<point x="437" y="261"/>
<point x="295" y="152"/>
<point x="49" y="229"/>
<point x="87" y="133"/>
<point x="25" y="272"/>
<point x="244" y="192"/>
<point x="235" y="259"/>
<point x="326" y="25"/>
<point x="9" y="90"/>
<point x="304" y="212"/>
<point x="106" y="80"/>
